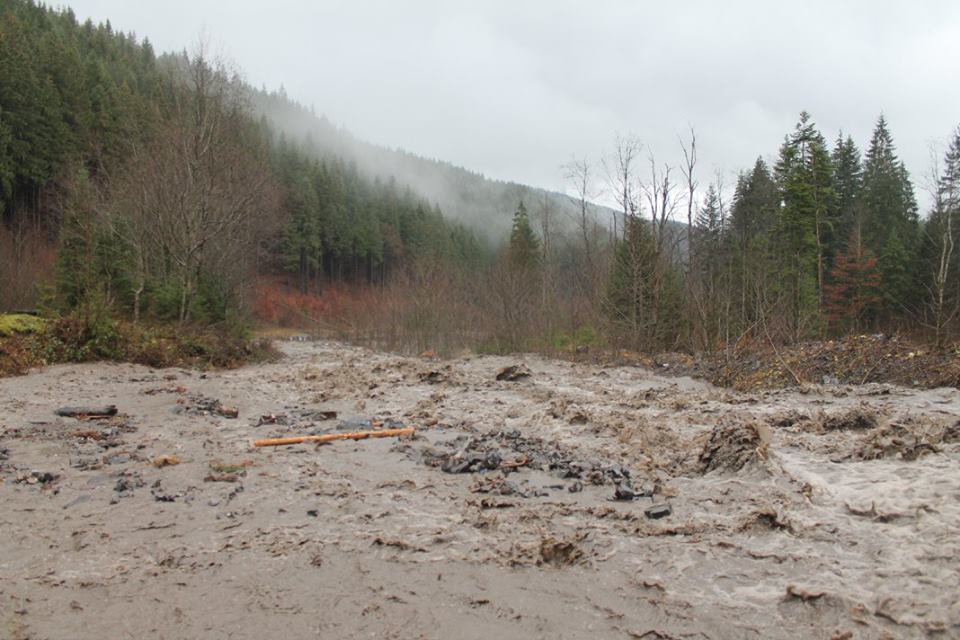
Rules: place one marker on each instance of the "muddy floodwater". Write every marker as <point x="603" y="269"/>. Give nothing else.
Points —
<point x="562" y="501"/>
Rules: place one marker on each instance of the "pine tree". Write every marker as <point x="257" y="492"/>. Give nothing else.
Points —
<point x="302" y="245"/>
<point x="890" y="227"/>
<point x="753" y="216"/>
<point x="629" y="295"/>
<point x="524" y="249"/>
<point x="805" y="177"/>
<point x="847" y="187"/>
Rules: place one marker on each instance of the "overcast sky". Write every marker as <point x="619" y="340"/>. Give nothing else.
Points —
<point x="513" y="89"/>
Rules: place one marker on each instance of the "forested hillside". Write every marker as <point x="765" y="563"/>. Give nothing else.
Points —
<point x="156" y="190"/>
<point x="161" y="187"/>
<point x="482" y="204"/>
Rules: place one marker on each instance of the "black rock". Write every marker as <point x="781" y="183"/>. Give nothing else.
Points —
<point x="618" y="472"/>
<point x="624" y="491"/>
<point x="575" y="487"/>
<point x="658" y="511"/>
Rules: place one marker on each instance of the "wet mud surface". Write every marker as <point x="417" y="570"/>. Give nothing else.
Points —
<point x="572" y="501"/>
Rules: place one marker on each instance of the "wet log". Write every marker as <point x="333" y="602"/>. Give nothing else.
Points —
<point x="106" y="411"/>
<point x="330" y="437"/>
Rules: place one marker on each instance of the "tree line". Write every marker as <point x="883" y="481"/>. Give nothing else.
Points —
<point x="827" y="241"/>
<point x="147" y="186"/>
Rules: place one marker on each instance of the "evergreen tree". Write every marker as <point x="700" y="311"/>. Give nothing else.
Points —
<point x="302" y="241"/>
<point x="753" y="216"/>
<point x="847" y="188"/>
<point x="890" y="227"/>
<point x="805" y="177"/>
<point x="524" y="249"/>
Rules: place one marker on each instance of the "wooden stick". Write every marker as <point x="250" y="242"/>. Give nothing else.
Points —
<point x="330" y="437"/>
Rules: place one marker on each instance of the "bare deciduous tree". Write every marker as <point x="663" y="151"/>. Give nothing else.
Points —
<point x="620" y="168"/>
<point x="196" y="193"/>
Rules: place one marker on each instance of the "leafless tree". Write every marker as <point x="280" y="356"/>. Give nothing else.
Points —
<point x="945" y="203"/>
<point x="620" y="169"/>
<point x="200" y="187"/>
<point x="689" y="166"/>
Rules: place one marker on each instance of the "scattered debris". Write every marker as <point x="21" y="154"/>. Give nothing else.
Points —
<point x="42" y="478"/>
<point x="951" y="434"/>
<point x="559" y="553"/>
<point x="514" y="372"/>
<point x="127" y="481"/>
<point x="734" y="444"/>
<point x="200" y="405"/>
<point x="237" y="468"/>
<point x="436" y="376"/>
<point x="165" y="461"/>
<point x="319" y="415"/>
<point x="229" y="412"/>
<point x="907" y="442"/>
<point x="800" y="593"/>
<point x="765" y="519"/>
<point x="222" y="477"/>
<point x="281" y="419"/>
<point x="854" y="418"/>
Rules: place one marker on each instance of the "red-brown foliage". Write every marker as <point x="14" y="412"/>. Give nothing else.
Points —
<point x="854" y="287"/>
<point x="27" y="258"/>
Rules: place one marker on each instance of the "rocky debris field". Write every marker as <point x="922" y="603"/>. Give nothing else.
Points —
<point x="537" y="499"/>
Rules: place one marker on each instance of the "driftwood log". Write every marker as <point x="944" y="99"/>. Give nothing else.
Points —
<point x="330" y="437"/>
<point x="106" y="411"/>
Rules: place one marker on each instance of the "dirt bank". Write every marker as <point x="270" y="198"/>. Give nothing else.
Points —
<point x="831" y="512"/>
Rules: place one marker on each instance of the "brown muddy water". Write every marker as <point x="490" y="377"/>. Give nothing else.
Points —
<point x="828" y="512"/>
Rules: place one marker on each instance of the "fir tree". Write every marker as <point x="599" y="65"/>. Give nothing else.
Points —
<point x="890" y="227"/>
<point x="524" y="249"/>
<point x="847" y="187"/>
<point x="805" y="177"/>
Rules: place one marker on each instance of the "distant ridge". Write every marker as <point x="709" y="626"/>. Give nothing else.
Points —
<point x="465" y="196"/>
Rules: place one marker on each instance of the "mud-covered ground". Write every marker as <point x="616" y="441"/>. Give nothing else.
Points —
<point x="826" y="512"/>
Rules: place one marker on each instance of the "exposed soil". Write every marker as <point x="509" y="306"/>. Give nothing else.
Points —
<point x="576" y="500"/>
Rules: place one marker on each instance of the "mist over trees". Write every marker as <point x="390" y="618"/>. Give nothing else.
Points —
<point x="163" y="188"/>
<point x="159" y="191"/>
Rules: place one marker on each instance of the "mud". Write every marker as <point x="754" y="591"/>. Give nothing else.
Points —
<point x="779" y="514"/>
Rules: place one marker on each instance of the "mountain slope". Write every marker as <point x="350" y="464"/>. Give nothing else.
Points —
<point x="465" y="196"/>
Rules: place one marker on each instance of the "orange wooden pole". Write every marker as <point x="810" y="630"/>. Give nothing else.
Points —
<point x="330" y="437"/>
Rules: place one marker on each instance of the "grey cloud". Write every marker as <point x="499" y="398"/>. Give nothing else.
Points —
<point x="513" y="89"/>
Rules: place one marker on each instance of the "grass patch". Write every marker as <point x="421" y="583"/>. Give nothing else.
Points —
<point x="20" y="323"/>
